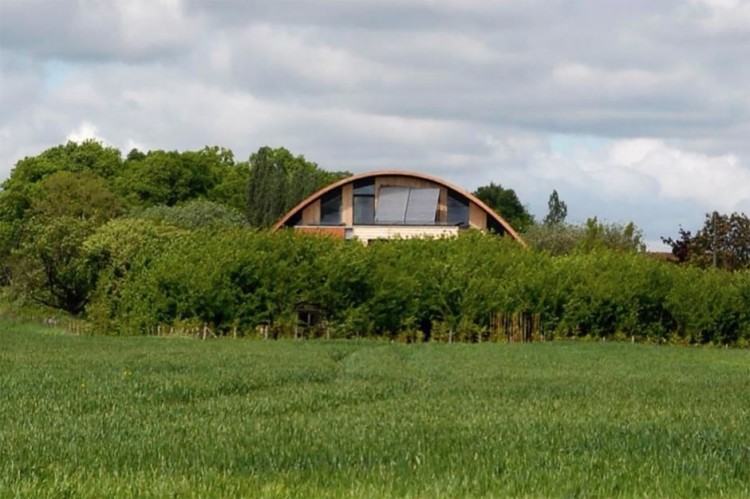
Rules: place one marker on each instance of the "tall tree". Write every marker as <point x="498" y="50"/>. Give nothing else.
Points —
<point x="557" y="210"/>
<point x="278" y="180"/>
<point x="723" y="242"/>
<point x="505" y="203"/>
<point x="49" y="266"/>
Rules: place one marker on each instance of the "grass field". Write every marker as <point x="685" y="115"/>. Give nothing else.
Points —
<point x="104" y="416"/>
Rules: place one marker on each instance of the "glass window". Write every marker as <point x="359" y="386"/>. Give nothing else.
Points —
<point x="364" y="201"/>
<point x="458" y="209"/>
<point x="364" y="187"/>
<point x="330" y="208"/>
<point x="422" y="206"/>
<point x="364" y="210"/>
<point x="392" y="203"/>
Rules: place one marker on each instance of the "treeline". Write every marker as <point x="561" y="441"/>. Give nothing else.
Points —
<point x="168" y="241"/>
<point x="53" y="202"/>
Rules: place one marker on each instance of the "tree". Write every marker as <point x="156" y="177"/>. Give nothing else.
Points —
<point x="231" y="190"/>
<point x="195" y="214"/>
<point x="723" y="242"/>
<point x="171" y="177"/>
<point x="117" y="250"/>
<point x="82" y="195"/>
<point x="49" y="265"/>
<point x="505" y="203"/>
<point x="614" y="236"/>
<point x="278" y="180"/>
<point x="89" y="156"/>
<point x="558" y="210"/>
<point x="563" y="238"/>
<point x="21" y="189"/>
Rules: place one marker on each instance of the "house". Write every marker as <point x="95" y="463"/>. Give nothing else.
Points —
<point x="391" y="203"/>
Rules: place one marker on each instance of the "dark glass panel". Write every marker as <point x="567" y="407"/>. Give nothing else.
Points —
<point x="458" y="209"/>
<point x="364" y="210"/>
<point x="330" y="208"/>
<point x="364" y="187"/>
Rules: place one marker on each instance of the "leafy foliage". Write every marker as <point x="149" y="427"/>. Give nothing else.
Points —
<point x="241" y="279"/>
<point x="505" y="203"/>
<point x="194" y="214"/>
<point x="91" y="182"/>
<point x="50" y="266"/>
<point x="723" y="242"/>
<point x="88" y="156"/>
<point x="558" y="210"/>
<point x="119" y="249"/>
<point x="278" y="180"/>
<point x="563" y="239"/>
<point x="82" y="195"/>
<point x="161" y="177"/>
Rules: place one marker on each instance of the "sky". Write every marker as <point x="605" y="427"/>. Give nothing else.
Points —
<point x="633" y="110"/>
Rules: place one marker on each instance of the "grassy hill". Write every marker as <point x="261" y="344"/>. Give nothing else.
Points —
<point x="146" y="416"/>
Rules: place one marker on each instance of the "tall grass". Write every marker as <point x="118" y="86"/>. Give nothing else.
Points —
<point x="146" y="416"/>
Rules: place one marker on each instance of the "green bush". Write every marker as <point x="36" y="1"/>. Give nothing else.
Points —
<point x="236" y="279"/>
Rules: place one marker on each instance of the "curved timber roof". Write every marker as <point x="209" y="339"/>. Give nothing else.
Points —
<point x="399" y="173"/>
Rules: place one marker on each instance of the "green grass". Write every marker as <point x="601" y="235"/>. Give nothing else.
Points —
<point x="106" y="416"/>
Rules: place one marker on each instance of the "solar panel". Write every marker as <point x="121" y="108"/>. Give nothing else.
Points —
<point x="422" y="206"/>
<point x="392" y="205"/>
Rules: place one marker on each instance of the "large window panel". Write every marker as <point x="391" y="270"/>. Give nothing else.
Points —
<point x="392" y="204"/>
<point x="458" y="209"/>
<point x="364" y="210"/>
<point x="330" y="208"/>
<point x="422" y="206"/>
<point x="364" y="201"/>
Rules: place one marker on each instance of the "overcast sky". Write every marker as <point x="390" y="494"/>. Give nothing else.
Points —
<point x="632" y="109"/>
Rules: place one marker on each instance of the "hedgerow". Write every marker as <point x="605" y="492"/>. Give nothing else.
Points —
<point x="241" y="280"/>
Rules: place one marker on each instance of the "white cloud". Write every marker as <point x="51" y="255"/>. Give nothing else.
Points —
<point x="648" y="168"/>
<point x="474" y="91"/>
<point x="714" y="182"/>
<point x="722" y="16"/>
<point x="85" y="131"/>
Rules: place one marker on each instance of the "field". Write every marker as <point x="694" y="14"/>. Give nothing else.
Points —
<point x="144" y="416"/>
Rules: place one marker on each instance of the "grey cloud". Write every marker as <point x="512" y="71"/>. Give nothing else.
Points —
<point x="470" y="89"/>
<point x="136" y="30"/>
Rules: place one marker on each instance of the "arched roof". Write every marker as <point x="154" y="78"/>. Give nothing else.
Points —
<point x="399" y="173"/>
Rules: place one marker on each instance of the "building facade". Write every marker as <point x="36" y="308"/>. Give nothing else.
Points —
<point x="392" y="203"/>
